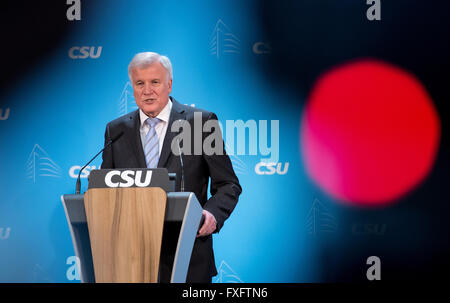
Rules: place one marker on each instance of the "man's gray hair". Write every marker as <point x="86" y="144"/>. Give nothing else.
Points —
<point x="142" y="60"/>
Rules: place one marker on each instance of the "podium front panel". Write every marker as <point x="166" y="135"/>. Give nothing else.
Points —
<point x="125" y="228"/>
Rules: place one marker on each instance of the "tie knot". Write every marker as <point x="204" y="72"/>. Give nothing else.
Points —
<point x="152" y="121"/>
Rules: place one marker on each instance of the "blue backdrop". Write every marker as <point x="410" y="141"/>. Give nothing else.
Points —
<point x="284" y="229"/>
<point x="58" y="114"/>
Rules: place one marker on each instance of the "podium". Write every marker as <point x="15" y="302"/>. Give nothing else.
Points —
<point x="127" y="222"/>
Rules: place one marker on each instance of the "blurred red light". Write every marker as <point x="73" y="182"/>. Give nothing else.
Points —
<point x="369" y="133"/>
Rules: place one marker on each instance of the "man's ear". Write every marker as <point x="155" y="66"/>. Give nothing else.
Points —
<point x="170" y="85"/>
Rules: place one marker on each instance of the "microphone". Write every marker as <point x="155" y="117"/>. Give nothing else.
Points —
<point x="111" y="141"/>
<point x="181" y="164"/>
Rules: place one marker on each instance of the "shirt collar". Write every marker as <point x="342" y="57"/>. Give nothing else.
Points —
<point x="163" y="115"/>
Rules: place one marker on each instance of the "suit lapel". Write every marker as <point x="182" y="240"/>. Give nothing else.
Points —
<point x="177" y="113"/>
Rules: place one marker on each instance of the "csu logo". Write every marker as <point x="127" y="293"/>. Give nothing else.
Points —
<point x="225" y="274"/>
<point x="83" y="52"/>
<point x="127" y="178"/>
<point x="262" y="48"/>
<point x="4" y="233"/>
<point x="4" y="114"/>
<point x="39" y="164"/>
<point x="263" y="168"/>
<point x="75" y="170"/>
<point x="223" y="41"/>
<point x="369" y="229"/>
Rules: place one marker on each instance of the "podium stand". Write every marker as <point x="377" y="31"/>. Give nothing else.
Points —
<point x="127" y="221"/>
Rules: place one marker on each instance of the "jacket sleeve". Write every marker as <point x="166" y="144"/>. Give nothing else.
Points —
<point x="225" y="187"/>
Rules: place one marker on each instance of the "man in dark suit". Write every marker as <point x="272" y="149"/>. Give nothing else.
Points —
<point x="148" y="141"/>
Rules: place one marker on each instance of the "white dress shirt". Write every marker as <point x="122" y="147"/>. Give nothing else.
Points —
<point x="160" y="128"/>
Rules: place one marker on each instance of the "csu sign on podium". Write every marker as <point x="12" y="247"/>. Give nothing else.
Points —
<point x="128" y="178"/>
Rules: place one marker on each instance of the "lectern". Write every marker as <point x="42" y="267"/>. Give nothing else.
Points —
<point x="128" y="220"/>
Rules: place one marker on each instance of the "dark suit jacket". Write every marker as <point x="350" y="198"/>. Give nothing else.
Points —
<point x="127" y="152"/>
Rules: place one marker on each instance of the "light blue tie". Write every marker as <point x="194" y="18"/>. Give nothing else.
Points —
<point x="151" y="147"/>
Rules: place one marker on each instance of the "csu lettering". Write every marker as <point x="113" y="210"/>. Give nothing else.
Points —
<point x="4" y="115"/>
<point x="127" y="178"/>
<point x="84" y="52"/>
<point x="369" y="229"/>
<point x="74" y="170"/>
<point x="263" y="168"/>
<point x="4" y="233"/>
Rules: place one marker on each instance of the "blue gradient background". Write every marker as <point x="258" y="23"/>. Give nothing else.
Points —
<point x="64" y="104"/>
<point x="284" y="228"/>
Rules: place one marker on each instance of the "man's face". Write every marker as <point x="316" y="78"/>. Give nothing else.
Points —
<point x="151" y="88"/>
